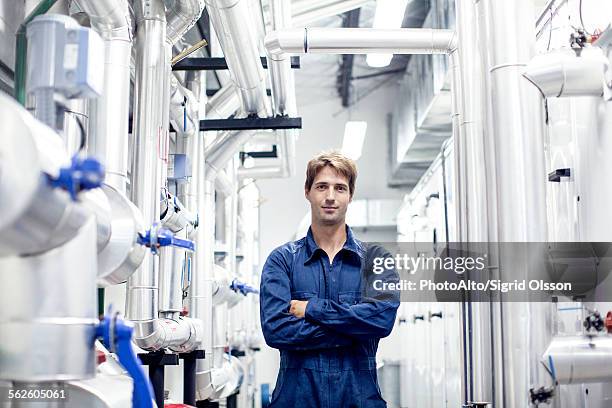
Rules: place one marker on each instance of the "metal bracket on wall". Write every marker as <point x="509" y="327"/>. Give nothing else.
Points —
<point x="555" y="176"/>
<point x="260" y="155"/>
<point x="215" y="64"/>
<point x="254" y="123"/>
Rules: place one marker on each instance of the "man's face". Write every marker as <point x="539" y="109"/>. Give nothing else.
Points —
<point x="329" y="197"/>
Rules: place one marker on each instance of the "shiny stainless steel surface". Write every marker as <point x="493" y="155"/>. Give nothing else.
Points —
<point x="50" y="337"/>
<point x="237" y="36"/>
<point x="515" y="127"/>
<point x="151" y="138"/>
<point x="122" y="254"/>
<point x="37" y="217"/>
<point x="181" y="17"/>
<point x="224" y="103"/>
<point x="475" y="220"/>
<point x="563" y="73"/>
<point x="202" y="281"/>
<point x="172" y="266"/>
<point x="281" y="74"/>
<point x="108" y="130"/>
<point x="580" y="359"/>
<point x="360" y="41"/>
<point x="283" y="101"/>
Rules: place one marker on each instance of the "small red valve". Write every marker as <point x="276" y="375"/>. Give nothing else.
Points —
<point x="608" y="322"/>
<point x="101" y="357"/>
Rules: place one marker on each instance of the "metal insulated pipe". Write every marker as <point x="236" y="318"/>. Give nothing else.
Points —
<point x="360" y="41"/>
<point x="580" y="359"/>
<point x="234" y="26"/>
<point x="183" y="110"/>
<point x="151" y="135"/>
<point x="108" y="114"/>
<point x="281" y="74"/>
<point x="181" y="16"/>
<point x="517" y="199"/>
<point x="35" y="216"/>
<point x="224" y="103"/>
<point x="283" y="98"/>
<point x="563" y="73"/>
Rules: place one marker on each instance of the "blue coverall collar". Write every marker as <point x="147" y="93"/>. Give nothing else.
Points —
<point x="351" y="245"/>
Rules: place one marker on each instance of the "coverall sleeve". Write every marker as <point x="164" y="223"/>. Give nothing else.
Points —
<point x="281" y="329"/>
<point x="373" y="317"/>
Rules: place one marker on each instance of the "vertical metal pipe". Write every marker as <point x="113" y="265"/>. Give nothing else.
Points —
<point x="150" y="135"/>
<point x="108" y="130"/>
<point x="515" y="128"/>
<point x="475" y="217"/>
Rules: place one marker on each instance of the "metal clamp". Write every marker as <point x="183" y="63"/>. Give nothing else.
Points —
<point x="157" y="237"/>
<point x="81" y="175"/>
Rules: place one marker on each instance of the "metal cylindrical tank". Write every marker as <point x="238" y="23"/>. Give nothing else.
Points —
<point x="580" y="359"/>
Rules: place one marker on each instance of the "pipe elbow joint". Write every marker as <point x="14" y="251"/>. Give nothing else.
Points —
<point x="196" y="335"/>
<point x="279" y="43"/>
<point x="149" y="335"/>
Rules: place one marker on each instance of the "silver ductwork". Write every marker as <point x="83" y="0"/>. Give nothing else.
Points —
<point x="234" y="27"/>
<point x="151" y="135"/>
<point x="181" y="17"/>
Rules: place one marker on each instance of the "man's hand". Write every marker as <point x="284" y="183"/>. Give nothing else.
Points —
<point x="298" y="308"/>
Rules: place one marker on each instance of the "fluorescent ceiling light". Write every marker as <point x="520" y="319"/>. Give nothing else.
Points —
<point x="354" y="136"/>
<point x="389" y="14"/>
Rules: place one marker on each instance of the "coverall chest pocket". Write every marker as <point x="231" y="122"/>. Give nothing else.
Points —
<point x="350" y="298"/>
<point x="302" y="295"/>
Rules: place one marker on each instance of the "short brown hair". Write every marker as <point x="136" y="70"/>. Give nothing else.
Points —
<point x="337" y="161"/>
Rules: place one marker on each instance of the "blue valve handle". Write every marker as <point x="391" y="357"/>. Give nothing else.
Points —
<point x="117" y="337"/>
<point x="157" y="237"/>
<point x="83" y="174"/>
<point x="238" y="286"/>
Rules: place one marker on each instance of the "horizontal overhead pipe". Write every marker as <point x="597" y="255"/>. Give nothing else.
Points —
<point x="360" y="41"/>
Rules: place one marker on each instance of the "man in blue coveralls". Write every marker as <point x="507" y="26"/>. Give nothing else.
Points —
<point x="312" y="304"/>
